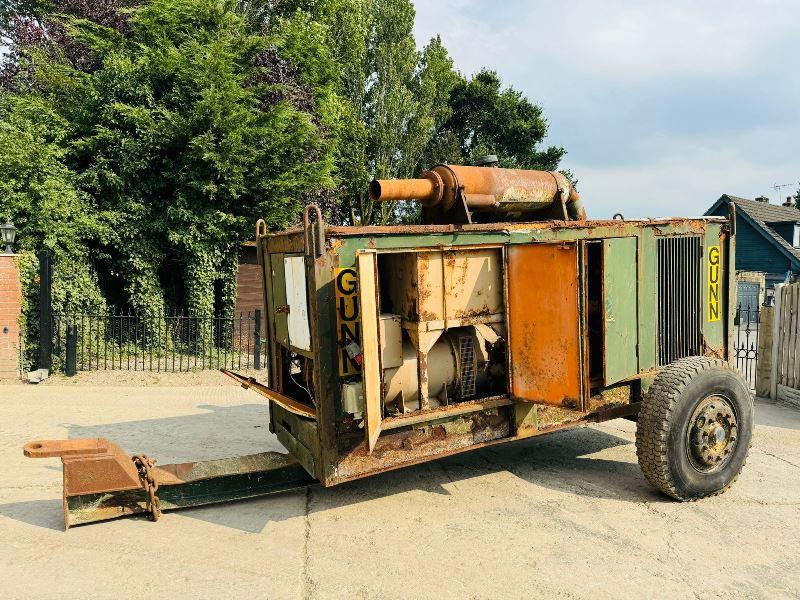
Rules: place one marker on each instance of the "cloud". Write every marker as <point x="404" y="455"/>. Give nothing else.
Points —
<point x="661" y="106"/>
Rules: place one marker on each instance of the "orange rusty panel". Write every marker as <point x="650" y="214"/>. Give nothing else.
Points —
<point x="544" y="324"/>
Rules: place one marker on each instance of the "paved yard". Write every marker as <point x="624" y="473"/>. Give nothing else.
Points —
<point x="567" y="515"/>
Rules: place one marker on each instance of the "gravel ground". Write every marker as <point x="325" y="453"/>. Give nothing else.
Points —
<point x="566" y="515"/>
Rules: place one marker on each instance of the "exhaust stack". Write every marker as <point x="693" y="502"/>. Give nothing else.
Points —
<point x="459" y="194"/>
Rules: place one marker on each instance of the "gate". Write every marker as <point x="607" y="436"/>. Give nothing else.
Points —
<point x="745" y="344"/>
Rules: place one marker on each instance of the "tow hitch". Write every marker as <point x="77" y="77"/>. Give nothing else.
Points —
<point x="102" y="482"/>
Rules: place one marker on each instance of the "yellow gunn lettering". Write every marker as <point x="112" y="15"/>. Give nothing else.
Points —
<point x="713" y="283"/>
<point x="347" y="317"/>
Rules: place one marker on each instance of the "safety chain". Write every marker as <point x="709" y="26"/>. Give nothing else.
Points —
<point x="144" y="466"/>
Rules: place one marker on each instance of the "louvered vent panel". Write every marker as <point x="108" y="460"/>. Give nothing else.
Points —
<point x="468" y="366"/>
<point x="679" y="298"/>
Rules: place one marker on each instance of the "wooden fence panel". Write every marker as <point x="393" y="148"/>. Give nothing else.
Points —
<point x="787" y="330"/>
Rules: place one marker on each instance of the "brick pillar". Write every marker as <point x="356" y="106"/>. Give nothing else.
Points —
<point x="10" y="311"/>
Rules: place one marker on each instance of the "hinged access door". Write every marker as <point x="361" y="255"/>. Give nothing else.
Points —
<point x="370" y="345"/>
<point x="621" y="359"/>
<point x="544" y="323"/>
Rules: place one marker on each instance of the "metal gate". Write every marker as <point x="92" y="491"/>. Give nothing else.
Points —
<point x="745" y="331"/>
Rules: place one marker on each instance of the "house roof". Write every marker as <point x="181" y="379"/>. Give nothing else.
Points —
<point x="760" y="214"/>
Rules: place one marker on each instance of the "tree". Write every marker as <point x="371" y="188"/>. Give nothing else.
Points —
<point x="183" y="121"/>
<point x="489" y="119"/>
<point x="186" y="124"/>
<point x="40" y="195"/>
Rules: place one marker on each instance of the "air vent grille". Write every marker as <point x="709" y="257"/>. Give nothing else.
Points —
<point x="679" y="298"/>
<point x="466" y="351"/>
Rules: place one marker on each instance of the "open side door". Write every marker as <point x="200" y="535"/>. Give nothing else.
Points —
<point x="544" y="324"/>
<point x="370" y="345"/>
<point x="621" y="354"/>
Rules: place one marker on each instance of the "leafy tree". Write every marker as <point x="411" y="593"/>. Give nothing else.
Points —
<point x="185" y="125"/>
<point x="489" y="119"/>
<point x="174" y="124"/>
<point x="40" y="195"/>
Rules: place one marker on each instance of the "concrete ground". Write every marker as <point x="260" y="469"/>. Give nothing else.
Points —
<point x="567" y="515"/>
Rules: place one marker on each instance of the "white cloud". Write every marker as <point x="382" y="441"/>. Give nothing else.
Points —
<point x="662" y="106"/>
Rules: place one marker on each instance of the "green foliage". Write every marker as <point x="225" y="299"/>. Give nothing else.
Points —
<point x="140" y="141"/>
<point x="41" y="197"/>
<point x="488" y="119"/>
<point x="188" y="132"/>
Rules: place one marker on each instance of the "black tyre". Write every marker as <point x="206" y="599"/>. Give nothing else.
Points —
<point x="694" y="428"/>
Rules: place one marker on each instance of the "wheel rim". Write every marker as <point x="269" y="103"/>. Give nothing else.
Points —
<point x="712" y="434"/>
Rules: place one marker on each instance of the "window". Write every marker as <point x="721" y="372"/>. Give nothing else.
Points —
<point x="796" y="237"/>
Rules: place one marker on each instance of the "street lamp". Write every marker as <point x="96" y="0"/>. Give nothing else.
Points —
<point x="8" y="233"/>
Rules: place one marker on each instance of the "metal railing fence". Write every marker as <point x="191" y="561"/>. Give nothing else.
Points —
<point x="173" y="341"/>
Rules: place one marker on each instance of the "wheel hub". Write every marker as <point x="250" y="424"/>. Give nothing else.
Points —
<point x="711" y="434"/>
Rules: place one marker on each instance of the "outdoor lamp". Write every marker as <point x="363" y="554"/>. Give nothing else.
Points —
<point x="8" y="233"/>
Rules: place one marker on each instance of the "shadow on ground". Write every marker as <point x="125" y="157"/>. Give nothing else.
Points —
<point x="563" y="461"/>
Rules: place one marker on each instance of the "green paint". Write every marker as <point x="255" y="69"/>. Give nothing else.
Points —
<point x="630" y="281"/>
<point x="648" y="300"/>
<point x="620" y="302"/>
<point x="90" y="508"/>
<point x="714" y="331"/>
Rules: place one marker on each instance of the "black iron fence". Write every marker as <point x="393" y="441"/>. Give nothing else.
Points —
<point x="745" y="342"/>
<point x="169" y="342"/>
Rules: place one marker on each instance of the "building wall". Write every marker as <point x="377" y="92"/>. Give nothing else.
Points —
<point x="249" y="295"/>
<point x="10" y="311"/>
<point x="754" y="252"/>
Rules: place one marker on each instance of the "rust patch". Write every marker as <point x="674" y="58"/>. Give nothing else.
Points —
<point x="607" y="398"/>
<point x="709" y="350"/>
<point x="419" y="444"/>
<point x="544" y="340"/>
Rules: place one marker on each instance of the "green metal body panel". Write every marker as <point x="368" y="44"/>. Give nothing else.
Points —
<point x="620" y="313"/>
<point x="333" y="451"/>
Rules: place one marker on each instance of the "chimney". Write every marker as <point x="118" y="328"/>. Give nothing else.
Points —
<point x="763" y="199"/>
<point x="789" y="202"/>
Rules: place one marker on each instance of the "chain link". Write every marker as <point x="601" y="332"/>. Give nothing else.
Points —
<point x="144" y="466"/>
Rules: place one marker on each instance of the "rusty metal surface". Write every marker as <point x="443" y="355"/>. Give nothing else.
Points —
<point x="106" y="483"/>
<point x="395" y="450"/>
<point x="293" y="406"/>
<point x="446" y="189"/>
<point x="59" y="448"/>
<point x="695" y="224"/>
<point x="544" y="324"/>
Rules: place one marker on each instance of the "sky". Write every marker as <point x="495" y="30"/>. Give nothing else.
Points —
<point x="661" y="106"/>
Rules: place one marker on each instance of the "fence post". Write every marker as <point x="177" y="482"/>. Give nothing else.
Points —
<point x="71" y="351"/>
<point x="257" y="340"/>
<point x="45" y="311"/>
<point x="777" y="331"/>
<point x="766" y="323"/>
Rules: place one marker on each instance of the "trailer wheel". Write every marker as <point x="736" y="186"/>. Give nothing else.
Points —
<point x="694" y="428"/>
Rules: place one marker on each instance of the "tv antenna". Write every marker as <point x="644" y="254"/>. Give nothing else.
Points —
<point x="779" y="187"/>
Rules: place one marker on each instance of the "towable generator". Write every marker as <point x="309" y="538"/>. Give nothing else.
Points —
<point x="506" y="314"/>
